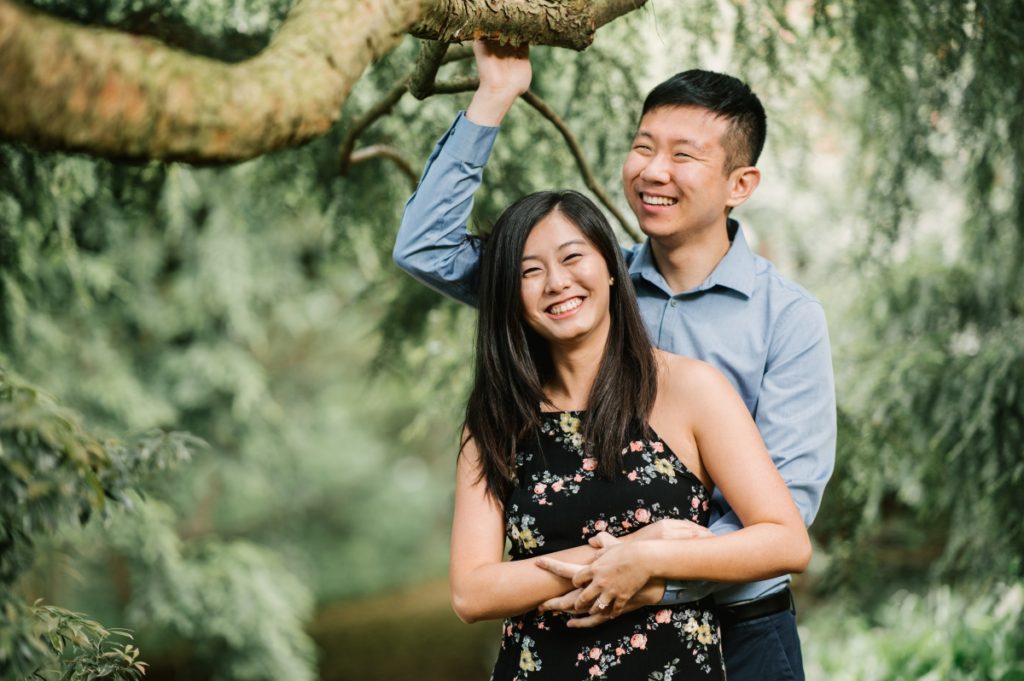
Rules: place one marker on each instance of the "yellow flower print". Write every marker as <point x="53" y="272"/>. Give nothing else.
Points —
<point x="526" y="662"/>
<point x="704" y="634"/>
<point x="691" y="626"/>
<point x="526" y="539"/>
<point x="664" y="466"/>
<point x="569" y="423"/>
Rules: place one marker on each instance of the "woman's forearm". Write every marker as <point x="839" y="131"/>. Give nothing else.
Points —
<point x="498" y="590"/>
<point x="757" y="552"/>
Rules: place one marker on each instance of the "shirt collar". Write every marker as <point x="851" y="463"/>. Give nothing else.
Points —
<point x="735" y="271"/>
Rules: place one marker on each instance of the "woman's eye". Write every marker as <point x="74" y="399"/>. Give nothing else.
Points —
<point x="571" y="257"/>
<point x="530" y="271"/>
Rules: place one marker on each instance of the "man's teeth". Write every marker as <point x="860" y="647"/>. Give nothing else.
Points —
<point x="658" y="200"/>
<point x="566" y="306"/>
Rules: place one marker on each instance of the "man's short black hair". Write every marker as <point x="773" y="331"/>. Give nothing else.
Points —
<point x="724" y="96"/>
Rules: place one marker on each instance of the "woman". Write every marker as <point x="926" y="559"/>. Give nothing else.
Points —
<point x="578" y="431"/>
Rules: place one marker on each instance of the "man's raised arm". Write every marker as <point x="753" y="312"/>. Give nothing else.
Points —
<point x="433" y="244"/>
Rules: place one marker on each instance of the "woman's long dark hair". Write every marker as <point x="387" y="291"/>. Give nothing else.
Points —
<point x="513" y="362"/>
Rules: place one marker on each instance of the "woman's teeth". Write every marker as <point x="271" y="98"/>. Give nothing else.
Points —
<point x="566" y="306"/>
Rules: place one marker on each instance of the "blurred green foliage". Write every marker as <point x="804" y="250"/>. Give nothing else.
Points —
<point x="938" y="636"/>
<point x="935" y="426"/>
<point x="54" y="473"/>
<point x="256" y="307"/>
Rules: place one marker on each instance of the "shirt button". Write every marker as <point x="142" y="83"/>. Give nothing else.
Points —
<point x="673" y="303"/>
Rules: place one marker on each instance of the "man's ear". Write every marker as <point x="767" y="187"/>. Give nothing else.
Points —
<point x="742" y="183"/>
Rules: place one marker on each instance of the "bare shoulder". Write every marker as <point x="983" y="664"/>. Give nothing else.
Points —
<point x="685" y="379"/>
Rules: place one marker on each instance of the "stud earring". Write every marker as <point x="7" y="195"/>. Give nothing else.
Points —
<point x="611" y="281"/>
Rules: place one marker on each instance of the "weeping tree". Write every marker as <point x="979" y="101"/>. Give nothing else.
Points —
<point x="930" y="463"/>
<point x="99" y="256"/>
<point x="129" y="289"/>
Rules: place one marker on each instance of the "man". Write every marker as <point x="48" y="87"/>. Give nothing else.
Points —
<point x="702" y="293"/>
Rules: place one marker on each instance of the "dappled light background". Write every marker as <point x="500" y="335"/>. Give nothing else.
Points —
<point x="300" y="529"/>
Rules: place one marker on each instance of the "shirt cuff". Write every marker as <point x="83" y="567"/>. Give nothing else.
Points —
<point x="685" y="592"/>
<point x="468" y="142"/>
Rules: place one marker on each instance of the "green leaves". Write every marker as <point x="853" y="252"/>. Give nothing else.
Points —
<point x="941" y="635"/>
<point x="47" y="642"/>
<point x="53" y="472"/>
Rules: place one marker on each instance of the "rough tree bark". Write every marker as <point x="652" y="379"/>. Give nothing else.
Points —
<point x="106" y="93"/>
<point x="562" y="23"/>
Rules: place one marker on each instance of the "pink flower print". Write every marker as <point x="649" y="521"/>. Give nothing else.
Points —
<point x="579" y="657"/>
<point x="636" y="446"/>
<point x="600" y="525"/>
<point x="626" y="524"/>
<point x="578" y="478"/>
<point x="557" y="485"/>
<point x="695" y="502"/>
<point x="705" y="505"/>
<point x="539" y="488"/>
<point x="589" y="463"/>
<point x="663" y="616"/>
<point x="658" y="447"/>
<point x="642" y="515"/>
<point x="632" y="475"/>
<point x="638" y="641"/>
<point x="595" y="653"/>
<point x="620" y="651"/>
<point x="542" y="502"/>
<point x="595" y="671"/>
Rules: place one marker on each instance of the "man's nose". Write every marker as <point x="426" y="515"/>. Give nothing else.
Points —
<point x="656" y="169"/>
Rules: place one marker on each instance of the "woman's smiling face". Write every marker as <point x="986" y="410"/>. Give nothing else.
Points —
<point x="565" y="282"/>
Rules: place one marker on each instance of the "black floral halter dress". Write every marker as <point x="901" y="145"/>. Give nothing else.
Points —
<point x="559" y="502"/>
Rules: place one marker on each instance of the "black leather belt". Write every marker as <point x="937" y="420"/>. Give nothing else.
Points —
<point x="733" y="613"/>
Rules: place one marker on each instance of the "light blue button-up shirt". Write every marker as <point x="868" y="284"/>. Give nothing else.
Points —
<point x="765" y="333"/>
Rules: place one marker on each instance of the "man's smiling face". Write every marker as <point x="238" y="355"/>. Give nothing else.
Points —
<point x="675" y="177"/>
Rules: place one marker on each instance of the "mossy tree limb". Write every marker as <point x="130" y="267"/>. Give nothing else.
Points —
<point x="74" y="88"/>
<point x="561" y="23"/>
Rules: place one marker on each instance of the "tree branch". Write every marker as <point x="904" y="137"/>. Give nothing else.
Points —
<point x="385" y="151"/>
<point x="605" y="11"/>
<point x="100" y="91"/>
<point x="581" y="162"/>
<point x="359" y="125"/>
<point x="559" y="23"/>
<point x="70" y="87"/>
<point x="432" y="52"/>
<point x="456" y="85"/>
<point x="457" y="53"/>
<point x="469" y="84"/>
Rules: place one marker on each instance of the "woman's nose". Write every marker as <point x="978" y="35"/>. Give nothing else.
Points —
<point x="558" y="280"/>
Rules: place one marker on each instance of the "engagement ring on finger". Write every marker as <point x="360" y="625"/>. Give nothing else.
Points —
<point x="600" y="605"/>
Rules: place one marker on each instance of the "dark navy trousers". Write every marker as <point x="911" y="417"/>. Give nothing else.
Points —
<point x="763" y="649"/>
